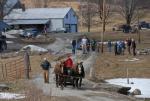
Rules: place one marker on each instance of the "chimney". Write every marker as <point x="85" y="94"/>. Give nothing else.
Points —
<point x="23" y="7"/>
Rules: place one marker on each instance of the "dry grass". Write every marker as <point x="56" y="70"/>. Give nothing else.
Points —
<point x="110" y="66"/>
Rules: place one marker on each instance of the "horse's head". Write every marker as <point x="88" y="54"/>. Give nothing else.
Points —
<point x="59" y="67"/>
<point x="79" y="67"/>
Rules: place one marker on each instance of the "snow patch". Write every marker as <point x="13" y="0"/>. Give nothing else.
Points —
<point x="34" y="48"/>
<point x="9" y="36"/>
<point x="9" y="42"/>
<point x="135" y="83"/>
<point x="9" y="96"/>
<point x="130" y="60"/>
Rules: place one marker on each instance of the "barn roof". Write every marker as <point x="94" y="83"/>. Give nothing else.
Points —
<point x="9" y="5"/>
<point x="26" y="22"/>
<point x="38" y="13"/>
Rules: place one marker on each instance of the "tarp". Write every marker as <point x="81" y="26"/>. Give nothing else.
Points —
<point x="3" y="25"/>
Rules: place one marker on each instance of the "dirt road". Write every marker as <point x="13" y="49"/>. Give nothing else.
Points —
<point x="88" y="92"/>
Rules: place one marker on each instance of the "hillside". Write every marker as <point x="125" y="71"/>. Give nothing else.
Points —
<point x="50" y="3"/>
<point x="114" y="18"/>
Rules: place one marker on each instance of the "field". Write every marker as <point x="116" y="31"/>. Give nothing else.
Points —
<point x="110" y="66"/>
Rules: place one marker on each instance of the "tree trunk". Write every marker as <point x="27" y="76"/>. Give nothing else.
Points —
<point x="103" y="24"/>
<point x="89" y="18"/>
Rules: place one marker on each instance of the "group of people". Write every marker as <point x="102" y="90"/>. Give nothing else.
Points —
<point x="85" y="44"/>
<point x="67" y="70"/>
<point x="121" y="46"/>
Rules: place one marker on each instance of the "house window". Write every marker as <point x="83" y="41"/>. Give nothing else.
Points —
<point x="74" y="15"/>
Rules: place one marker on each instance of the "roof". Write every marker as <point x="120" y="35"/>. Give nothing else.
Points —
<point x="3" y="25"/>
<point x="24" y="22"/>
<point x="38" y="13"/>
<point x="9" y="5"/>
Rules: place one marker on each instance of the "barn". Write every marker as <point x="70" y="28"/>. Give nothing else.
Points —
<point x="3" y="26"/>
<point x="49" y="19"/>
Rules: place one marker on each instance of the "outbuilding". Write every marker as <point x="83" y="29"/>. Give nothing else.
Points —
<point x="46" y="19"/>
<point x="3" y="26"/>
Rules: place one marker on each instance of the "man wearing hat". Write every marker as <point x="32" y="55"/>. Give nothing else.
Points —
<point x="45" y="66"/>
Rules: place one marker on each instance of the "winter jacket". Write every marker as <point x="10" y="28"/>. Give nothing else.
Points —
<point x="45" y="65"/>
<point x="69" y="63"/>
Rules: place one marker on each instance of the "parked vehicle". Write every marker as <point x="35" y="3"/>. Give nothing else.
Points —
<point x="30" y="32"/>
<point x="144" y="25"/>
<point x="122" y="27"/>
<point x="60" y="30"/>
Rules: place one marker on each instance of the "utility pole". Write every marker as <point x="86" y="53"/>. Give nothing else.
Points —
<point x="103" y="26"/>
<point x="138" y="32"/>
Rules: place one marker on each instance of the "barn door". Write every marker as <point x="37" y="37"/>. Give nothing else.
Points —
<point x="73" y="28"/>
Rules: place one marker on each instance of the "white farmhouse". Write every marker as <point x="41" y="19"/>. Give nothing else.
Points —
<point x="50" y="19"/>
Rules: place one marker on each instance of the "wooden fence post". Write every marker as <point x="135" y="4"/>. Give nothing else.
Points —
<point x="27" y="64"/>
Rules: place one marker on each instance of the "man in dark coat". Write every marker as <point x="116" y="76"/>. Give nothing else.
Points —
<point x="115" y="48"/>
<point x="109" y="45"/>
<point x="74" y="43"/>
<point x="133" y="47"/>
<point x="45" y="66"/>
<point x="129" y="45"/>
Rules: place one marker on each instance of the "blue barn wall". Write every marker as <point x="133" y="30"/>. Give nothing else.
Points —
<point x="71" y="21"/>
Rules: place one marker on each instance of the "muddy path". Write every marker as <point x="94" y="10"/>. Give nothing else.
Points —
<point x="88" y="92"/>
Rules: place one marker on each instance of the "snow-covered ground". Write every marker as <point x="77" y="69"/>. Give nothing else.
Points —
<point x="135" y="83"/>
<point x="9" y="96"/>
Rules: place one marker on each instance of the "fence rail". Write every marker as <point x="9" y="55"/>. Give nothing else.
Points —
<point x="13" y="70"/>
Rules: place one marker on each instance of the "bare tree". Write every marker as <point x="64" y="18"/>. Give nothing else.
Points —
<point x="41" y="3"/>
<point x="88" y="11"/>
<point x="132" y="11"/>
<point x="46" y="3"/>
<point x="128" y="8"/>
<point x="37" y="3"/>
<point x="103" y="12"/>
<point x="2" y="7"/>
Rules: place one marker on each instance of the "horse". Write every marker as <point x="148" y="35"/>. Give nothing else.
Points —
<point x="79" y="73"/>
<point x="58" y="70"/>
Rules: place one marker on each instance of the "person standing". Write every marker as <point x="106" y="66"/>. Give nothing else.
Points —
<point x="45" y="66"/>
<point x="88" y="45"/>
<point x="93" y="44"/>
<point x="123" y="46"/>
<point x="109" y="45"/>
<point x="84" y="43"/>
<point x="119" y="51"/>
<point x="129" y="45"/>
<point x="74" y="46"/>
<point x="133" y="47"/>
<point x="98" y="47"/>
<point x="115" y="48"/>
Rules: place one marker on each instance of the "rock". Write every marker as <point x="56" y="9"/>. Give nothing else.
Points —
<point x="124" y="90"/>
<point x="136" y="92"/>
<point x="113" y="88"/>
<point x="4" y="87"/>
